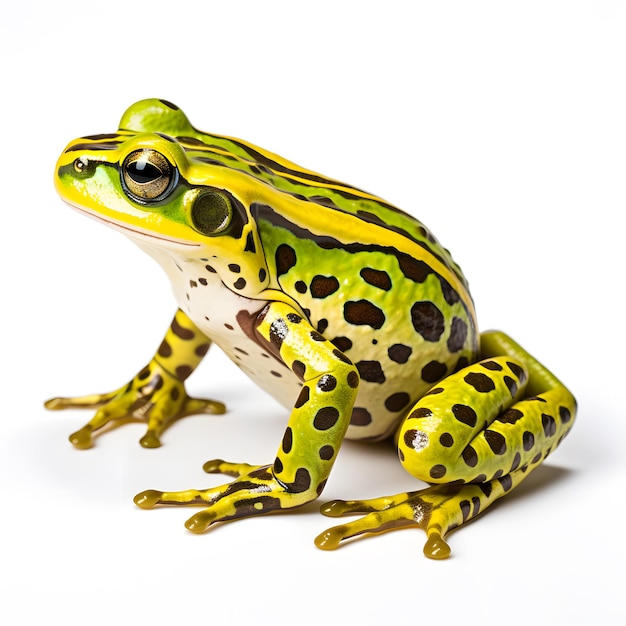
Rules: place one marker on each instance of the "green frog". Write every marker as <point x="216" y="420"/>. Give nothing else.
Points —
<point x="344" y="308"/>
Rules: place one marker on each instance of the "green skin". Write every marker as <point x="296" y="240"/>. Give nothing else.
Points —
<point x="343" y="307"/>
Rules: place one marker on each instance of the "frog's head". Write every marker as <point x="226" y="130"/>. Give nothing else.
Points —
<point x="142" y="181"/>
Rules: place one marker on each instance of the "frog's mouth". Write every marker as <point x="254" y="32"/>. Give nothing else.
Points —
<point x="133" y="232"/>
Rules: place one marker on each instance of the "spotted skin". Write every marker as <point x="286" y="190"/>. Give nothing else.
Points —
<point x="473" y="457"/>
<point x="344" y="308"/>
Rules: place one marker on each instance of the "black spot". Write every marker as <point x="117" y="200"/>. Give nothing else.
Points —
<point x="511" y="416"/>
<point x="326" y="453"/>
<point x="549" y="425"/>
<point x="278" y="465"/>
<point x="371" y="371"/>
<point x="301" y="286"/>
<point x="323" y="286"/>
<point x="353" y="380"/>
<point x="326" y="418"/>
<point x="240" y="283"/>
<point x="465" y="414"/>
<point x="506" y="482"/>
<point x="294" y="318"/>
<point x="438" y="471"/>
<point x="343" y="343"/>
<point x="397" y="401"/>
<point x="446" y="440"/>
<point x="183" y="372"/>
<point x="203" y="281"/>
<point x="302" y="481"/>
<point x="399" y="353"/>
<point x="564" y="414"/>
<point x="434" y="371"/>
<point x="480" y="382"/>
<point x="470" y="457"/>
<point x="322" y="325"/>
<point x="285" y="259"/>
<point x="202" y="349"/>
<point x="517" y="459"/>
<point x="486" y="488"/>
<point x="465" y="509"/>
<point x="458" y="335"/>
<point x="262" y="275"/>
<point x="303" y="398"/>
<point x="342" y="357"/>
<point x="414" y="270"/>
<point x="165" y="349"/>
<point x="420" y="412"/>
<point x="511" y="384"/>
<point x="476" y="503"/>
<point x="233" y="267"/>
<point x="449" y="294"/>
<point x="518" y="371"/>
<point x="211" y="269"/>
<point x="377" y="278"/>
<point x="360" y="417"/>
<point x="528" y="440"/>
<point x="491" y="365"/>
<point x="179" y="331"/>
<point x="287" y="440"/>
<point x="327" y="382"/>
<point x="496" y="441"/>
<point x="363" y="313"/>
<point x="427" y="320"/>
<point x="317" y="336"/>
<point x="299" y="368"/>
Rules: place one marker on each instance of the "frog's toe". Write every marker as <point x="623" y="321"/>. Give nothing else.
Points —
<point x="372" y="523"/>
<point x="147" y="499"/>
<point x="81" y="439"/>
<point x="218" y="466"/>
<point x="150" y="440"/>
<point x="201" y="521"/>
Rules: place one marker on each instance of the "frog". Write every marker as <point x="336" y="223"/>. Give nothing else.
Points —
<point x="343" y="307"/>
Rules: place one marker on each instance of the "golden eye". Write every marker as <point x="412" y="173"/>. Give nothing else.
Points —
<point x="212" y="212"/>
<point x="81" y="164"/>
<point x="147" y="174"/>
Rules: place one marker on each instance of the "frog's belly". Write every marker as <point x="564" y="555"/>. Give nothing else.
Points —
<point x="225" y="317"/>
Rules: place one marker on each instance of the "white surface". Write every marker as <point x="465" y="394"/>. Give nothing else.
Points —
<point x="502" y="125"/>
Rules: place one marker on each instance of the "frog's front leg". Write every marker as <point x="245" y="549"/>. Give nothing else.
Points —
<point x="315" y="431"/>
<point x="476" y="435"/>
<point x="156" y="394"/>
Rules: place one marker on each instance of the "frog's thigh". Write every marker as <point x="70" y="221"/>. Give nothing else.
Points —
<point x="473" y="427"/>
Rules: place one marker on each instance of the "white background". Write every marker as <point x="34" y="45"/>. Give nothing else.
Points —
<point x="502" y="125"/>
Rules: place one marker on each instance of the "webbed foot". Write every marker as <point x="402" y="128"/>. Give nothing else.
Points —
<point x="436" y="510"/>
<point x="153" y="396"/>
<point x="253" y="492"/>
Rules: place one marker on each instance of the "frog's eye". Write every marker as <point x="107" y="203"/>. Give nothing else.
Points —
<point x="147" y="174"/>
<point x="211" y="212"/>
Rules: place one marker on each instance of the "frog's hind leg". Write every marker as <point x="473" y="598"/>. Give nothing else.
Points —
<point x="476" y="436"/>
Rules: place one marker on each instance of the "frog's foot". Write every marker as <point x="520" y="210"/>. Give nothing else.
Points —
<point x="154" y="396"/>
<point x="436" y="510"/>
<point x="253" y="492"/>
